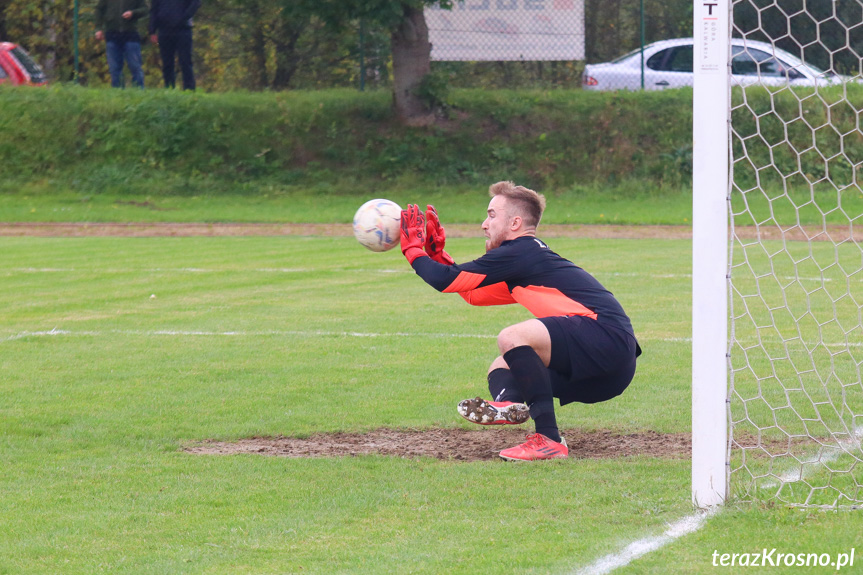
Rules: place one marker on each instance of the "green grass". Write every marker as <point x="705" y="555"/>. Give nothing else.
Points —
<point x="756" y="529"/>
<point x="93" y="419"/>
<point x="53" y="201"/>
<point x="252" y="336"/>
<point x="108" y="196"/>
<point x="795" y="366"/>
<point x="774" y="206"/>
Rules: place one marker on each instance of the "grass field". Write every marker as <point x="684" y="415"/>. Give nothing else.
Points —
<point x="118" y="353"/>
<point x="54" y="201"/>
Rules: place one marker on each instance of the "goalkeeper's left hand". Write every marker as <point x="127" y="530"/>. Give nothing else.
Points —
<point x="436" y="238"/>
<point x="413" y="233"/>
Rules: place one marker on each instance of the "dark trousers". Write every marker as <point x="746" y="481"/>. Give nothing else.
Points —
<point x="177" y="43"/>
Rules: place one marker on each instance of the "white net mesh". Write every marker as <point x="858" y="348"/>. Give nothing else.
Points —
<point x="796" y="281"/>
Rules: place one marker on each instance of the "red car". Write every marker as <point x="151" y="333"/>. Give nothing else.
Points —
<point x="17" y="67"/>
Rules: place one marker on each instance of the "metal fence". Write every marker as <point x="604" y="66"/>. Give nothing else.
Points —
<point x="639" y="44"/>
<point x="548" y="43"/>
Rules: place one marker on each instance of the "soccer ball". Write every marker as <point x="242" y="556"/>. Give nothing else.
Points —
<point x="377" y="223"/>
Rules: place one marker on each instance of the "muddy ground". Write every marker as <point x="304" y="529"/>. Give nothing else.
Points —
<point x="451" y="444"/>
<point x="606" y="231"/>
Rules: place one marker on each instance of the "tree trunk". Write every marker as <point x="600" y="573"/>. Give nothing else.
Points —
<point x="259" y="59"/>
<point x="287" y="59"/>
<point x="49" y="59"/>
<point x="3" y="5"/>
<point x="257" y="48"/>
<point x="411" y="63"/>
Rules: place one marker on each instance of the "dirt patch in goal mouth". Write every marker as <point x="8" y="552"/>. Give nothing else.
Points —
<point x="451" y="444"/>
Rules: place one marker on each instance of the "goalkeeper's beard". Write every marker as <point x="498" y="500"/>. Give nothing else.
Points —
<point x="491" y="243"/>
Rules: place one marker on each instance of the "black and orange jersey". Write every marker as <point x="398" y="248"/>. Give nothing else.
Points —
<point x="527" y="272"/>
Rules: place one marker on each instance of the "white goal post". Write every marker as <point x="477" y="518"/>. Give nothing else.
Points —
<point x="710" y="168"/>
<point x="777" y="265"/>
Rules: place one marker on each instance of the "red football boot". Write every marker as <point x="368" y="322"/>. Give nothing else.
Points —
<point x="535" y="448"/>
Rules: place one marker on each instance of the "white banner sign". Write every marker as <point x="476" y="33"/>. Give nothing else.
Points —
<point x="492" y="30"/>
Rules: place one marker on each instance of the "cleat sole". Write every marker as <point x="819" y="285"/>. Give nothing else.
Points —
<point x="477" y="410"/>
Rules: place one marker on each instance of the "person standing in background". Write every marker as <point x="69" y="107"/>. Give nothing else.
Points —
<point x="117" y="25"/>
<point x="171" y="29"/>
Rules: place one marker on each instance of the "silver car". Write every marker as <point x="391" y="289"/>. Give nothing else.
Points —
<point x="668" y="64"/>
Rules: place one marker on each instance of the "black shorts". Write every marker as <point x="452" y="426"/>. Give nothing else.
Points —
<point x="590" y="362"/>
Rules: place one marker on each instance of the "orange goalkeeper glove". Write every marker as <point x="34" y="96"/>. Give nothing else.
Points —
<point x="413" y="232"/>
<point x="436" y="238"/>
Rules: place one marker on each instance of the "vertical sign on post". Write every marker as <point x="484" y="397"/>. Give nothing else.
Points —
<point x="710" y="181"/>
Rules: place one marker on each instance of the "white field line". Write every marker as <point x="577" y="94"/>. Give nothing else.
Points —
<point x="647" y="545"/>
<point x="290" y="333"/>
<point x="308" y="333"/>
<point x="825" y="344"/>
<point x="796" y="474"/>
<point x="207" y="270"/>
<point x="405" y="270"/>
<point x="201" y="333"/>
<point x="355" y="270"/>
<point x="689" y="276"/>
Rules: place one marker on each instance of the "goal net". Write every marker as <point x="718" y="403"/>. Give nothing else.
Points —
<point x="795" y="281"/>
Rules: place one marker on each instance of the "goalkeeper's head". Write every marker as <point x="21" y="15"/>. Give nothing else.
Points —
<point x="513" y="211"/>
<point x="523" y="202"/>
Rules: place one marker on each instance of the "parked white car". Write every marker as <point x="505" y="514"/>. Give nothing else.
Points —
<point x="668" y="64"/>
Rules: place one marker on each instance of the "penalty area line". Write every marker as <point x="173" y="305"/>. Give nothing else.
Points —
<point x="275" y="333"/>
<point x="642" y="547"/>
<point x="197" y="333"/>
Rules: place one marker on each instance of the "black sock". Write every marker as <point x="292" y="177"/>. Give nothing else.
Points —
<point x="502" y="386"/>
<point x="533" y="381"/>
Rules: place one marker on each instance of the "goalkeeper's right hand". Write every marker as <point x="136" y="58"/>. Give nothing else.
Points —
<point x="436" y="238"/>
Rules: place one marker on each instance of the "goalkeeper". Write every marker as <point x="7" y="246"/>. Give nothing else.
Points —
<point x="580" y="348"/>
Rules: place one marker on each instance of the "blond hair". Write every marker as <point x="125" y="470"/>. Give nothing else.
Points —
<point x="529" y="204"/>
